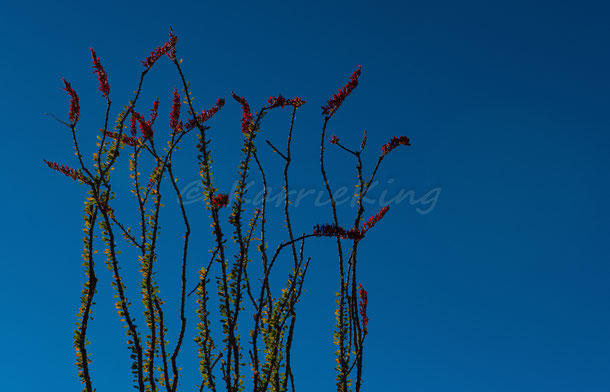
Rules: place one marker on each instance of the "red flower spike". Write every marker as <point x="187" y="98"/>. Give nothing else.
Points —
<point x="173" y="40"/>
<point x="130" y="141"/>
<point x="74" y="103"/>
<point x="280" y="101"/>
<point x="332" y="230"/>
<point x="205" y="115"/>
<point x="144" y="129"/>
<point x="168" y="48"/>
<point x="395" y="142"/>
<point x="247" y="117"/>
<point x="153" y="112"/>
<point x="68" y="171"/>
<point x="364" y="300"/>
<point x="101" y="74"/>
<point x="220" y="200"/>
<point x="374" y="219"/>
<point x="147" y="131"/>
<point x="334" y="140"/>
<point x="335" y="102"/>
<point x="174" y="116"/>
<point x="296" y="102"/>
<point x="133" y="124"/>
<point x="146" y="126"/>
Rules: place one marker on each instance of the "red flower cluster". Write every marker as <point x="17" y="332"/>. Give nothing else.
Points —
<point x="335" y="102"/>
<point x="153" y="111"/>
<point x="130" y="141"/>
<point x="101" y="74"/>
<point x="205" y="115"/>
<point x="247" y="117"/>
<point x="174" y="116"/>
<point x="328" y="230"/>
<point x="173" y="40"/>
<point x="220" y="200"/>
<point x="74" y="103"/>
<point x="364" y="300"/>
<point x="168" y="48"/>
<point x="332" y="230"/>
<point x="334" y="140"/>
<point x="374" y="219"/>
<point x="280" y="101"/>
<point x="146" y="126"/>
<point x="395" y="142"/>
<point x="133" y="124"/>
<point x="68" y="171"/>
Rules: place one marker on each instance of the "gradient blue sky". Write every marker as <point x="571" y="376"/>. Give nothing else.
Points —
<point x="503" y="286"/>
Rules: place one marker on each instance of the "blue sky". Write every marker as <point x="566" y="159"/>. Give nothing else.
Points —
<point x="502" y="286"/>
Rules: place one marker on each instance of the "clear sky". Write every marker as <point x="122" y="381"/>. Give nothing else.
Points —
<point x="499" y="284"/>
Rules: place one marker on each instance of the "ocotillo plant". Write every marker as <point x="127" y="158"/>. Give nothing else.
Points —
<point x="268" y="350"/>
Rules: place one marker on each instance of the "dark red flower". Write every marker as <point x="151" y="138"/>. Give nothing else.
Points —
<point x="173" y="40"/>
<point x="153" y="112"/>
<point x="74" y="103"/>
<point x="373" y="220"/>
<point x="220" y="200"/>
<point x="168" y="48"/>
<point x="334" y="140"/>
<point x="133" y="124"/>
<point x="364" y="300"/>
<point x="205" y="115"/>
<point x="247" y="116"/>
<point x="130" y="141"/>
<point x="101" y="74"/>
<point x="174" y="116"/>
<point x="68" y="171"/>
<point x="296" y="102"/>
<point x="332" y="230"/>
<point x="280" y="101"/>
<point x="335" y="102"/>
<point x="395" y="142"/>
<point x="146" y="126"/>
<point x="327" y="230"/>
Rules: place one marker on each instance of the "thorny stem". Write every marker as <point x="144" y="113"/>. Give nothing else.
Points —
<point x="162" y="344"/>
<point x="89" y="291"/>
<point x="287" y="201"/>
<point x="207" y="180"/>
<point x="340" y="320"/>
